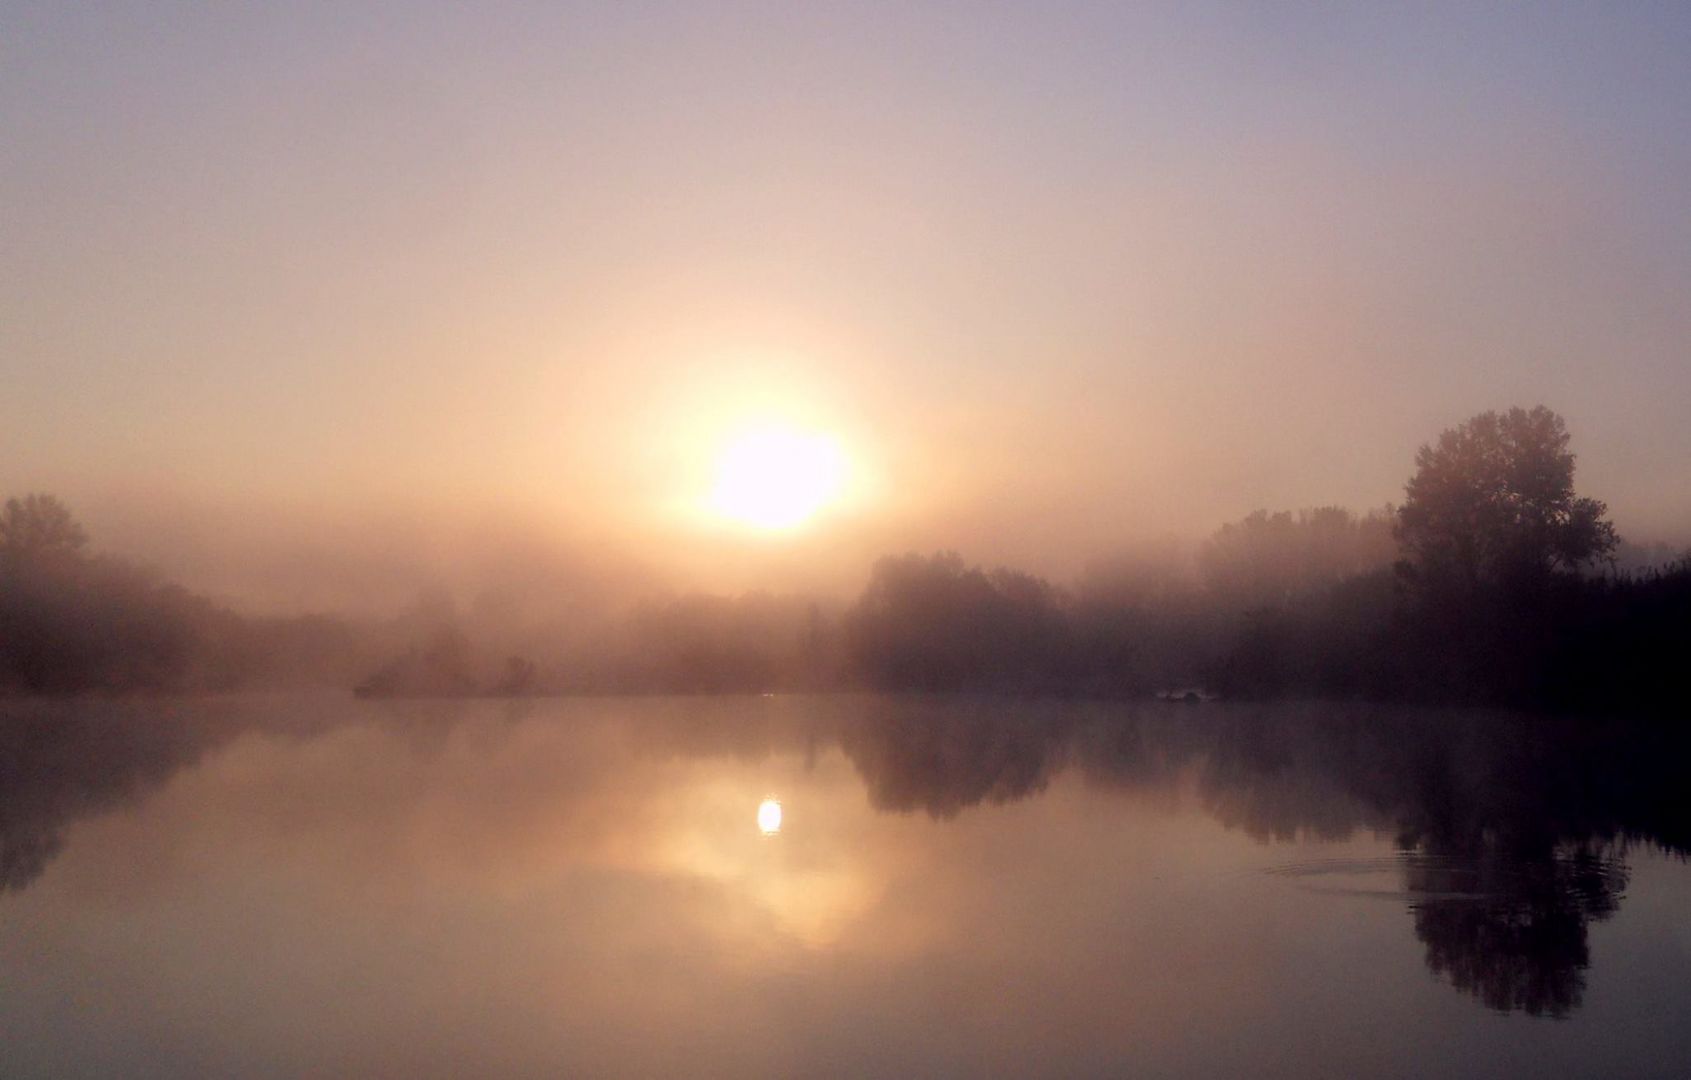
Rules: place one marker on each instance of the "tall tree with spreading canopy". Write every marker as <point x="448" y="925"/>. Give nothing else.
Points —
<point x="1493" y="501"/>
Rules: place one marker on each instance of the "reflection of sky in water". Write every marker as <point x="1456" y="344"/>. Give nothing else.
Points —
<point x="577" y="886"/>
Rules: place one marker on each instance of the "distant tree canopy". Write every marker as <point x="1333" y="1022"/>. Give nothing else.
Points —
<point x="37" y="527"/>
<point x="72" y="621"/>
<point x="1493" y="501"/>
<point x="1275" y="558"/>
<point x="935" y="623"/>
<point x="756" y="642"/>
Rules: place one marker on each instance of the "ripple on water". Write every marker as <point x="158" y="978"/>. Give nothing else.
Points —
<point x="1487" y="876"/>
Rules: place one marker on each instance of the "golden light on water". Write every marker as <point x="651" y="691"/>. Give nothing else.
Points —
<point x="769" y="816"/>
<point x="776" y="478"/>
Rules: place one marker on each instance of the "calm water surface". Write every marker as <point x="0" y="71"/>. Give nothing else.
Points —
<point x="323" y="887"/>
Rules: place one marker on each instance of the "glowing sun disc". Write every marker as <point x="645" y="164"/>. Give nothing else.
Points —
<point x="774" y="479"/>
<point x="769" y="817"/>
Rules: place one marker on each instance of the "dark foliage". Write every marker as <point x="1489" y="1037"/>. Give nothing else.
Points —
<point x="71" y="621"/>
<point x="1493" y="502"/>
<point x="1493" y="602"/>
<point x="935" y="623"/>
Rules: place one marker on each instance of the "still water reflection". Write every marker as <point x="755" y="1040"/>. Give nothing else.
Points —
<point x="846" y="885"/>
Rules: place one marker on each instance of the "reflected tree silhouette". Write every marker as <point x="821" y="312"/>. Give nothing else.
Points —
<point x="1513" y="830"/>
<point x="1512" y="931"/>
<point x="943" y="757"/>
<point x="65" y="761"/>
<point x="59" y="764"/>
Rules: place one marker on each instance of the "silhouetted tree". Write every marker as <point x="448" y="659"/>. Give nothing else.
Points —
<point x="935" y="623"/>
<point x="1493" y="500"/>
<point x="73" y="621"/>
<point x="38" y="527"/>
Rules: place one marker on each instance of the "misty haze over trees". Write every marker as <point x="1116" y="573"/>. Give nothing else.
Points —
<point x="1494" y="582"/>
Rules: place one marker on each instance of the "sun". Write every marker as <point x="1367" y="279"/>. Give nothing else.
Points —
<point x="769" y="817"/>
<point x="776" y="478"/>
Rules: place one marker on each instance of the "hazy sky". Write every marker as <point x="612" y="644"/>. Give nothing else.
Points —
<point x="1058" y="277"/>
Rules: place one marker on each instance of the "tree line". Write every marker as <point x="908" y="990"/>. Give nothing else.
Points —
<point x="72" y="620"/>
<point x="1493" y="582"/>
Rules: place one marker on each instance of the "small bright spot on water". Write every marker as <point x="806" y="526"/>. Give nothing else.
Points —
<point x="769" y="817"/>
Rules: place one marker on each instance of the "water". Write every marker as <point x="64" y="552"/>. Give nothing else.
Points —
<point x="326" y="887"/>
